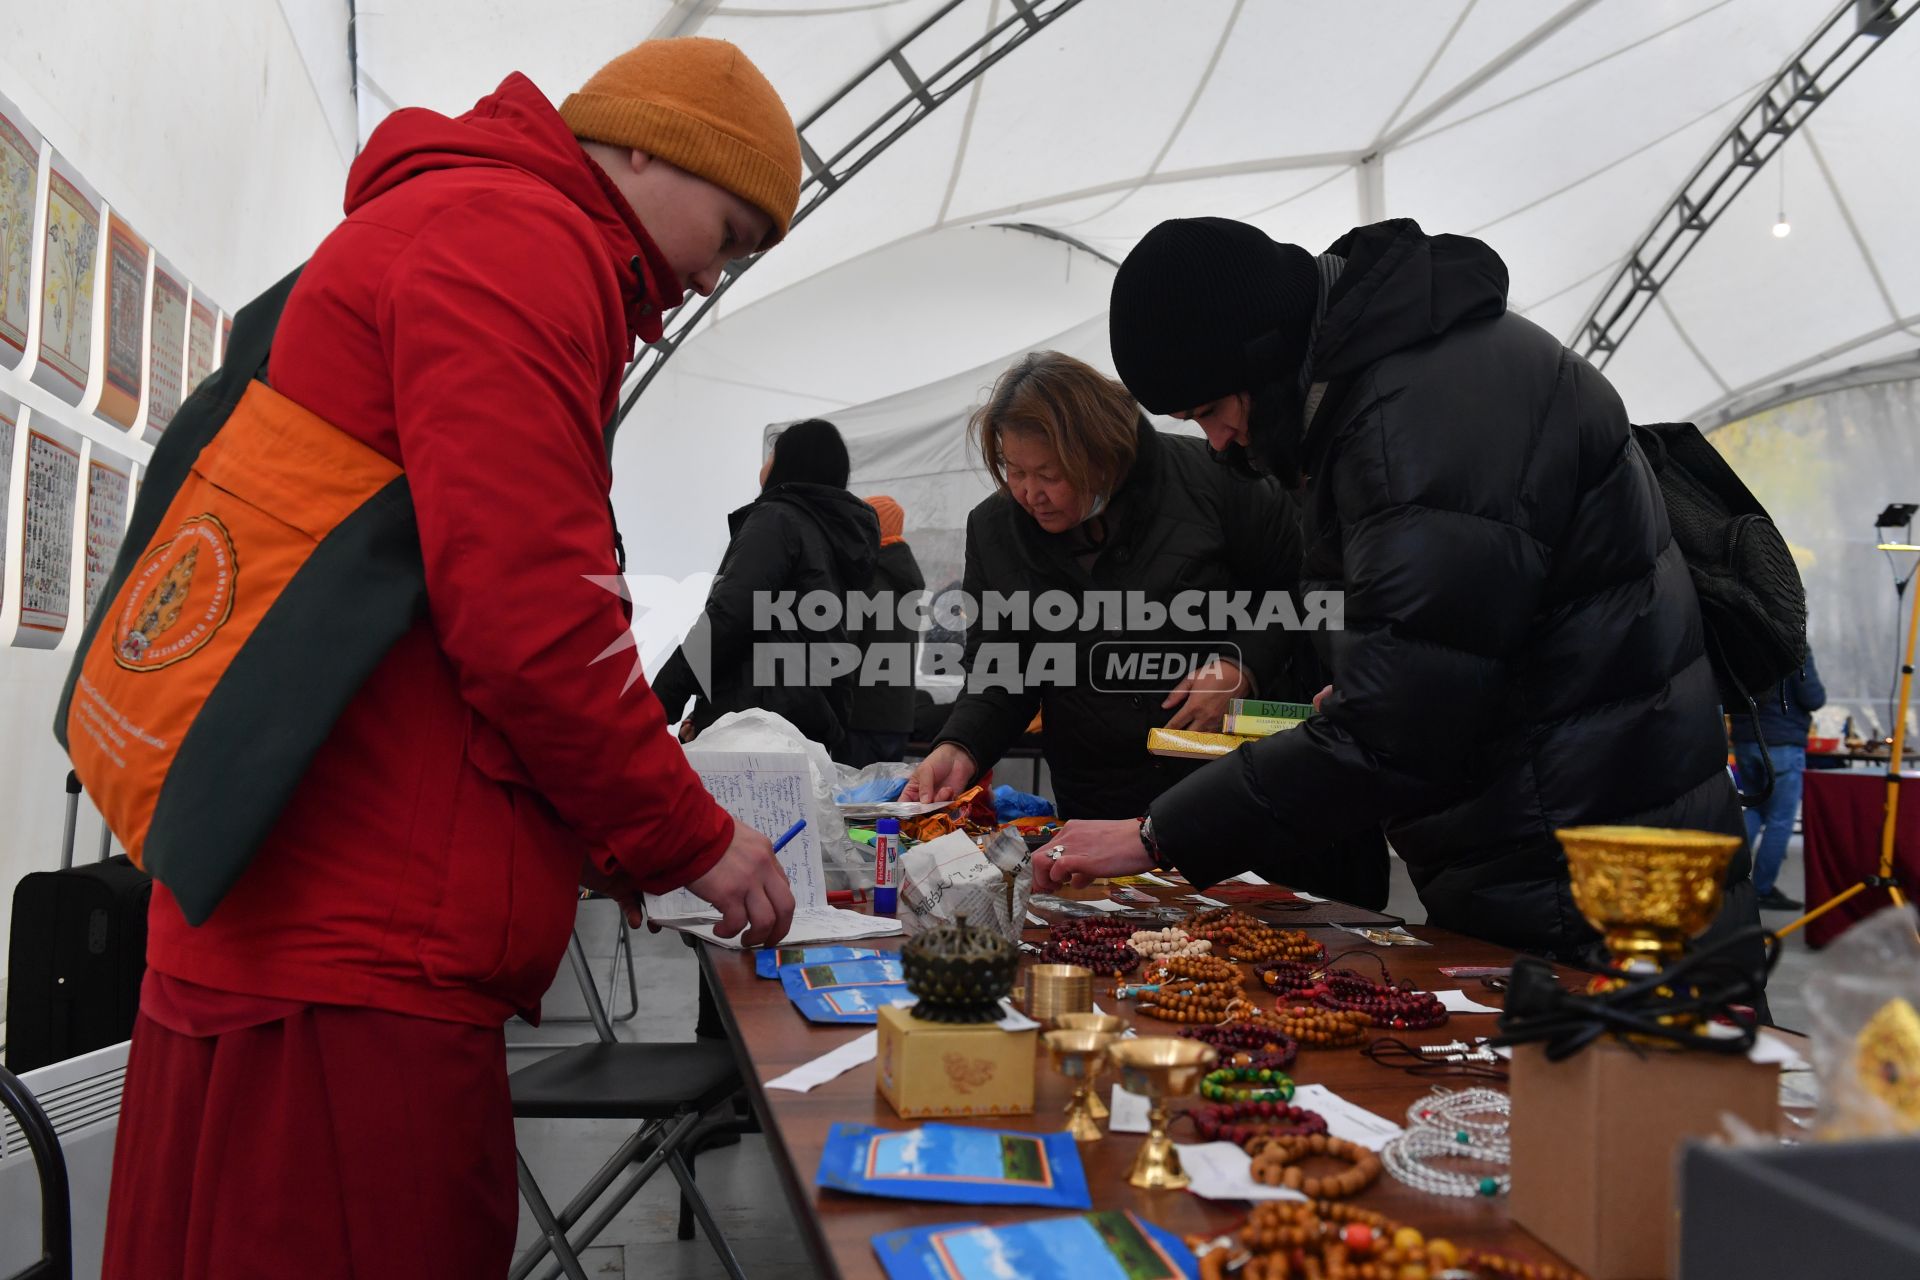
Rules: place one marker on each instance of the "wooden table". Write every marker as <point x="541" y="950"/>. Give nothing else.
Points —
<point x="838" y="1228"/>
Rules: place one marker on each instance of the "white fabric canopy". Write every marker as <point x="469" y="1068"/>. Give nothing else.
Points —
<point x="1555" y="132"/>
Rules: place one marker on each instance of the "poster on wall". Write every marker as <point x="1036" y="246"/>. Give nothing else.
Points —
<point x="226" y="334"/>
<point x="67" y="283"/>
<point x="19" y="210"/>
<point x="126" y="322"/>
<point x="9" y="424"/>
<point x="200" y="330"/>
<point x="109" y="494"/>
<point x="167" y="347"/>
<point x="46" y="542"/>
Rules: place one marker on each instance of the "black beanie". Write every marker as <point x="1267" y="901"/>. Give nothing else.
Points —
<point x="811" y="452"/>
<point x="1192" y="299"/>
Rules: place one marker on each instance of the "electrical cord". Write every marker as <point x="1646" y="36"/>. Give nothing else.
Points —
<point x="1707" y="986"/>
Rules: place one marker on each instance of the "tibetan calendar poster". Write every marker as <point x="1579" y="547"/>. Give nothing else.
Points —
<point x="46" y="547"/>
<point x="126" y="322"/>
<point x="167" y="354"/>
<point x="19" y="204"/>
<point x="66" y="292"/>
<point x="200" y="322"/>
<point x="9" y="422"/>
<point x="109" y="491"/>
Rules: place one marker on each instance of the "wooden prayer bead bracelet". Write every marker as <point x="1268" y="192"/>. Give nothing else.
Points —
<point x="1276" y="1162"/>
<point x="1323" y="1240"/>
<point x="1248" y="1044"/>
<point x="1325" y="1028"/>
<point x="1163" y="943"/>
<point x="1266" y="944"/>
<point x="1242" y="1122"/>
<point x="1202" y="969"/>
<point x="1193" y="1002"/>
<point x="1260" y="1084"/>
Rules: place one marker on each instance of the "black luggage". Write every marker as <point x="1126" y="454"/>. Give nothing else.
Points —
<point x="77" y="954"/>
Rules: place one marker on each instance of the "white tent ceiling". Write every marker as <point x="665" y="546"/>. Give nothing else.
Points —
<point x="1555" y="131"/>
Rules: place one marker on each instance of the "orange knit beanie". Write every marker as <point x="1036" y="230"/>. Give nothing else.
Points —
<point x="701" y="105"/>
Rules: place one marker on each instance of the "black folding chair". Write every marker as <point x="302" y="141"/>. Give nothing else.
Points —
<point x="56" y="1221"/>
<point x="669" y="1088"/>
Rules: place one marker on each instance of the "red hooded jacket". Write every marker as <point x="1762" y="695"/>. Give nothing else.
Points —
<point x="470" y="319"/>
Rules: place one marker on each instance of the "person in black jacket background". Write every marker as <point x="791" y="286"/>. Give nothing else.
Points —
<point x="1093" y="500"/>
<point x="804" y="533"/>
<point x="880" y="718"/>
<point x="1522" y="648"/>
<point x="1785" y="717"/>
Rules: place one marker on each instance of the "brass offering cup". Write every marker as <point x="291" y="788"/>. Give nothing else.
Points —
<point x="1080" y="1056"/>
<point x="1158" y="1068"/>
<point x="1113" y="1025"/>
<point x="1054" y="989"/>
<point x="1647" y="890"/>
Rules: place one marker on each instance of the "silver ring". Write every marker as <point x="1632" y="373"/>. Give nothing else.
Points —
<point x="1056" y="851"/>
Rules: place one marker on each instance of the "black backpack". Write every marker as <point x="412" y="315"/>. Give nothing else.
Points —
<point x="1751" y="597"/>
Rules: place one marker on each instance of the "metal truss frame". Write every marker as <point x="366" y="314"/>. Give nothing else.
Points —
<point x="1776" y="112"/>
<point x="920" y="93"/>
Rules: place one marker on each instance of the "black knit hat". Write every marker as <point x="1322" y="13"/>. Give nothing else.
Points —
<point x="810" y="451"/>
<point x="1192" y="299"/>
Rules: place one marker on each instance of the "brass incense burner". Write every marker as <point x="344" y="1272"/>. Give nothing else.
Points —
<point x="1648" y="891"/>
<point x="959" y="972"/>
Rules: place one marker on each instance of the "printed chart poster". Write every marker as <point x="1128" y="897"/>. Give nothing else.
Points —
<point x="199" y="344"/>
<point x="66" y="296"/>
<point x="46" y="549"/>
<point x="19" y="178"/>
<point x="9" y="419"/>
<point x="167" y="358"/>
<point x="109" y="490"/>
<point x="226" y="335"/>
<point x="126" y="322"/>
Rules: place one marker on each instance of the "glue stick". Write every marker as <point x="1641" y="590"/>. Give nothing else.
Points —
<point x="886" y="866"/>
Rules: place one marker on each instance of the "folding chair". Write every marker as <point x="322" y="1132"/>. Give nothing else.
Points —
<point x="622" y="950"/>
<point x="56" y="1222"/>
<point x="668" y="1087"/>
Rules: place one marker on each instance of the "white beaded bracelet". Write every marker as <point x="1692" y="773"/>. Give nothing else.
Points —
<point x="1447" y="1110"/>
<point x="1404" y="1158"/>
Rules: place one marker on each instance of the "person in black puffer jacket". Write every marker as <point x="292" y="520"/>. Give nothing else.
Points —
<point x="1093" y="502"/>
<point x="1522" y="648"/>
<point x="880" y="720"/>
<point x="804" y="533"/>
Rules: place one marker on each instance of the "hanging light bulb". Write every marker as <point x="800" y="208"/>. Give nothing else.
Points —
<point x="1782" y="228"/>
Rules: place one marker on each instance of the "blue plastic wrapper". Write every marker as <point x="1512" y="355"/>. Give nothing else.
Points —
<point x="849" y="991"/>
<point x="956" y="1164"/>
<point x="872" y="791"/>
<point x="767" y="963"/>
<point x="1009" y="804"/>
<point x="1109" y="1245"/>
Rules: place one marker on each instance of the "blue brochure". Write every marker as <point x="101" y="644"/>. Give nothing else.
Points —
<point x="767" y="963"/>
<point x="1109" y="1245"/>
<point x="955" y="1164"/>
<point x="850" y="991"/>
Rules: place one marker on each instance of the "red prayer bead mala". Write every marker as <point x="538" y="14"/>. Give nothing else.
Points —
<point x="1259" y="1046"/>
<point x="1241" y="1122"/>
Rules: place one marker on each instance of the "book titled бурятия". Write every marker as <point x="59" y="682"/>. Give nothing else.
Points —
<point x="1255" y="719"/>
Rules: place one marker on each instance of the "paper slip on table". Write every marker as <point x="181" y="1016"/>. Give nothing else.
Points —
<point x="773" y="1038"/>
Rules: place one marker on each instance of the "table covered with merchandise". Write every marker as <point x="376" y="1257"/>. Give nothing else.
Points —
<point x="1338" y="1018"/>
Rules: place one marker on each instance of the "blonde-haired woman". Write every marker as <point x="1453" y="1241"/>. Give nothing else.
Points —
<point x="1095" y="503"/>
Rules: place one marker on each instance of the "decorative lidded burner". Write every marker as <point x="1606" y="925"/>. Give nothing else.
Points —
<point x="959" y="972"/>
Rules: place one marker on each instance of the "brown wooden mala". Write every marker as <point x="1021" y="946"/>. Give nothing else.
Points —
<point x="1187" y="1001"/>
<point x="1211" y="969"/>
<point x="1098" y="945"/>
<point x="1267" y="943"/>
<point x="1322" y="1028"/>
<point x="1324" y="1240"/>
<point x="1276" y="1162"/>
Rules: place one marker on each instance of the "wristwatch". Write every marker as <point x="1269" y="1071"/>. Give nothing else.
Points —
<point x="1151" y="845"/>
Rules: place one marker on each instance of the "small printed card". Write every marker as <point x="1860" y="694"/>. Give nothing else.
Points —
<point x="1109" y="1245"/>
<point x="955" y="1164"/>
<point x="767" y="963"/>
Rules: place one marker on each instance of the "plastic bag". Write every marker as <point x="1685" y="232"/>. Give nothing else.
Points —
<point x="1864" y="1005"/>
<point x="846" y="864"/>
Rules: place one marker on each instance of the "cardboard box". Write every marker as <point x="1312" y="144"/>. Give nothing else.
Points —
<point x="1596" y="1139"/>
<point x="943" y="1069"/>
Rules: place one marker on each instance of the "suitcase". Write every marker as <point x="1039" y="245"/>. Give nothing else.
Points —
<point x="77" y="954"/>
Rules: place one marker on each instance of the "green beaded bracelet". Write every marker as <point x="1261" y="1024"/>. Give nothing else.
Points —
<point x="1268" y="1085"/>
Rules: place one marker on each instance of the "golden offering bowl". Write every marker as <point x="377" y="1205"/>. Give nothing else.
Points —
<point x="1054" y="989"/>
<point x="1080" y="1056"/>
<point x="1646" y="889"/>
<point x="1112" y="1024"/>
<point x="1160" y="1067"/>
